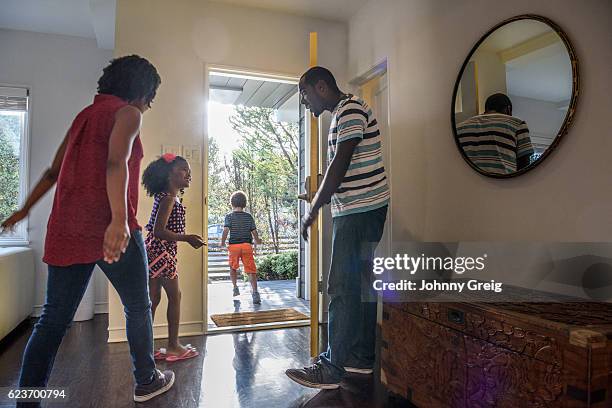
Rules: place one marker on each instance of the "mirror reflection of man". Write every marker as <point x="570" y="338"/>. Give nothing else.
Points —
<point x="356" y="185"/>
<point x="496" y="141"/>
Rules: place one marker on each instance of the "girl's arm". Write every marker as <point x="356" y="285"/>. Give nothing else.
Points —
<point x="161" y="221"/>
<point x="125" y="130"/>
<point x="48" y="180"/>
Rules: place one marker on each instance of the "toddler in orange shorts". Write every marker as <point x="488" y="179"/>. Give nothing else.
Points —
<point x="241" y="228"/>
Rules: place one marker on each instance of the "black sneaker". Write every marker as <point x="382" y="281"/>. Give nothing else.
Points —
<point x="314" y="376"/>
<point x="256" y="298"/>
<point x="160" y="384"/>
<point x="236" y="291"/>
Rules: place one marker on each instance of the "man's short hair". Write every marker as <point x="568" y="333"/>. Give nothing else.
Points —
<point x="238" y="199"/>
<point x="316" y="74"/>
<point x="498" y="102"/>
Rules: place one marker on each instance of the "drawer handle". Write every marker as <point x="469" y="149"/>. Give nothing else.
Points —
<point x="456" y="316"/>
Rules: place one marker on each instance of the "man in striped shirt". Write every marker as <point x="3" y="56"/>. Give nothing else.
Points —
<point x="356" y="184"/>
<point x="496" y="141"/>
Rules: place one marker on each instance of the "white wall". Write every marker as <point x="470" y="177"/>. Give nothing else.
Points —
<point x="544" y="119"/>
<point x="180" y="38"/>
<point x="62" y="74"/>
<point x="436" y="196"/>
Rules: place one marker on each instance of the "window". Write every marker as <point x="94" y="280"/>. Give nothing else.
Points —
<point x="13" y="158"/>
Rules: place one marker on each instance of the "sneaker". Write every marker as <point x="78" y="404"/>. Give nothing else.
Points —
<point x="236" y="291"/>
<point x="256" y="298"/>
<point x="358" y="370"/>
<point x="314" y="376"/>
<point x="161" y="383"/>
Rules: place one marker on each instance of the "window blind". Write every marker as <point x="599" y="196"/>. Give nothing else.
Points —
<point x="13" y="99"/>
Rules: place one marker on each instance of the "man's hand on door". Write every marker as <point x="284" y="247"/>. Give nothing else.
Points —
<point x="307" y="222"/>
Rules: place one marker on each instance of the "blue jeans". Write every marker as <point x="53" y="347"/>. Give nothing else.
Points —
<point x="352" y="307"/>
<point x="65" y="288"/>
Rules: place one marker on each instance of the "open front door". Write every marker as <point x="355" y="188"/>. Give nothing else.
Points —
<point x="311" y="183"/>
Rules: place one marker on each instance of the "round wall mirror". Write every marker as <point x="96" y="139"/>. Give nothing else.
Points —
<point x="515" y="96"/>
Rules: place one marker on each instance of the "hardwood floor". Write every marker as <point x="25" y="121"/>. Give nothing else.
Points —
<point x="235" y="370"/>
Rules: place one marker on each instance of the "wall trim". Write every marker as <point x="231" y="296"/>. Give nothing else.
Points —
<point x="99" y="308"/>
<point x="37" y="310"/>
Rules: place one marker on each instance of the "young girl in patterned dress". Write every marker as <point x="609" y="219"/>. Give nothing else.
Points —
<point x="165" y="179"/>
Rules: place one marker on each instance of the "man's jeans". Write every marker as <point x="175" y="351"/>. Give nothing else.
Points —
<point x="352" y="306"/>
<point x="65" y="288"/>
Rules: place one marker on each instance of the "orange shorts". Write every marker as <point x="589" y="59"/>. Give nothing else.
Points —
<point x="245" y="252"/>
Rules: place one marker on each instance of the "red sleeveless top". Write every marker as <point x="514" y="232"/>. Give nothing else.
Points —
<point x="81" y="210"/>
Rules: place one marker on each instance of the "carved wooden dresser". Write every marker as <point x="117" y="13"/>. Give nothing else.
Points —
<point x="506" y="355"/>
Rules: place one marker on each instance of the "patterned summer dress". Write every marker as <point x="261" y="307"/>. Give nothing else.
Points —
<point x="161" y="253"/>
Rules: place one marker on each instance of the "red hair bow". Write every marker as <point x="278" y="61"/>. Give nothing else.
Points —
<point x="168" y="157"/>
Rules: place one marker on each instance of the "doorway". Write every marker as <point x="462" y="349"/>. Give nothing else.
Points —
<point x="255" y="145"/>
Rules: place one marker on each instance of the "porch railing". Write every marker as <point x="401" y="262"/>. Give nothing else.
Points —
<point x="218" y="267"/>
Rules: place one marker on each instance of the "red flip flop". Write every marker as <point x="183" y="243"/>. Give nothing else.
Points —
<point x="189" y="353"/>
<point x="160" y="354"/>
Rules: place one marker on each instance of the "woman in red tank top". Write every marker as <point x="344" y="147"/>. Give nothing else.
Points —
<point x="93" y="222"/>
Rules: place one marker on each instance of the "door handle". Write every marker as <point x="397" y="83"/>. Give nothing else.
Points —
<point x="306" y="196"/>
<point x="309" y="195"/>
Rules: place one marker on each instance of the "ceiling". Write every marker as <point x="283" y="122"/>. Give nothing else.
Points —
<point x="93" y="19"/>
<point x="281" y="96"/>
<point x="542" y="71"/>
<point x="250" y="92"/>
<point x="337" y="10"/>
<point x="514" y="34"/>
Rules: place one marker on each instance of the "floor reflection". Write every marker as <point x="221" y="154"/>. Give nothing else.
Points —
<point x="248" y="369"/>
<point x="240" y="370"/>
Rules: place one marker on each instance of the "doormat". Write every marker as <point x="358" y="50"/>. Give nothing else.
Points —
<point x="264" y="316"/>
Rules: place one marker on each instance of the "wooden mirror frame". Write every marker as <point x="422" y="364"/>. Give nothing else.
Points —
<point x="570" y="111"/>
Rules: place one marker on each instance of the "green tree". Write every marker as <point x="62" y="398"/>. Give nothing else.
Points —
<point x="217" y="185"/>
<point x="264" y="167"/>
<point x="10" y="133"/>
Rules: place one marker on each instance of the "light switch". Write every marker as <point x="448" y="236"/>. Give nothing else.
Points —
<point x="174" y="149"/>
<point x="192" y="153"/>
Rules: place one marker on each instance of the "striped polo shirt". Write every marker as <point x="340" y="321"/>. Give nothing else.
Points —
<point x="240" y="224"/>
<point x="364" y="187"/>
<point x="495" y="141"/>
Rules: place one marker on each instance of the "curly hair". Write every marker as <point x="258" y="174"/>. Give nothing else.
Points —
<point x="238" y="199"/>
<point x="130" y="78"/>
<point x="157" y="175"/>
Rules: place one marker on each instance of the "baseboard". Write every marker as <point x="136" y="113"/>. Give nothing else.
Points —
<point x="160" y="331"/>
<point x="99" y="308"/>
<point x="37" y="310"/>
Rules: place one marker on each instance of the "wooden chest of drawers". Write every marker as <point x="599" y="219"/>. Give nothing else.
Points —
<point x="507" y="355"/>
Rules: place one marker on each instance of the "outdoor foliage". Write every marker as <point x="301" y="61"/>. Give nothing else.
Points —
<point x="281" y="266"/>
<point x="10" y="127"/>
<point x="264" y="167"/>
